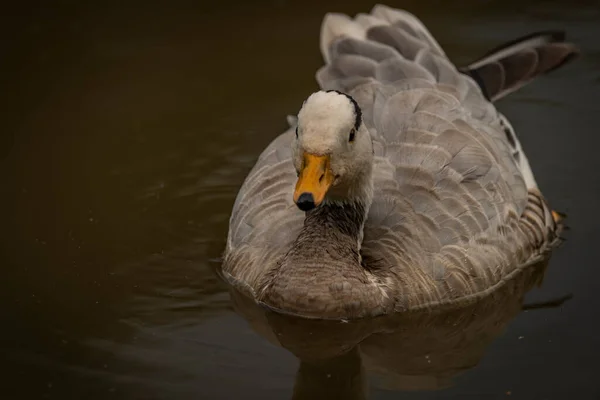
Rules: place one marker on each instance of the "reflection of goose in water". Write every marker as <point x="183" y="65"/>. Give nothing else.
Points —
<point x="401" y="187"/>
<point x="407" y="351"/>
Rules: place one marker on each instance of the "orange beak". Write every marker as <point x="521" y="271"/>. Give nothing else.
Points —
<point x="313" y="182"/>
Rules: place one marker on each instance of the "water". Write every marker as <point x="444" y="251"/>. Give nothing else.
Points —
<point x="127" y="132"/>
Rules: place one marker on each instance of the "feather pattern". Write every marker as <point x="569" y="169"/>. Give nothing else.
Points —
<point x="456" y="211"/>
<point x="512" y="65"/>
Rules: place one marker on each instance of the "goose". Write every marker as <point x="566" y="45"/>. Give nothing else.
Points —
<point x="400" y="186"/>
<point x="424" y="350"/>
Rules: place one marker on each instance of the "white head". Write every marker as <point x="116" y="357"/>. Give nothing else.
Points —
<point x="333" y="152"/>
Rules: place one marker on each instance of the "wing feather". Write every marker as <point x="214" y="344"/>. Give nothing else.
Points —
<point x="456" y="209"/>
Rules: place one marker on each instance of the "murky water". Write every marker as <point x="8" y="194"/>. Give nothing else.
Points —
<point x="127" y="131"/>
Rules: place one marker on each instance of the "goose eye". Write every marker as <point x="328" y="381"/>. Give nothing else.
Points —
<point x="296" y="132"/>
<point x="352" y="134"/>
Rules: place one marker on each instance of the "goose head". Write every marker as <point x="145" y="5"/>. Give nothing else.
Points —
<point x="332" y="152"/>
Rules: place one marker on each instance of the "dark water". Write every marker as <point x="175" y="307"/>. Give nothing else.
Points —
<point x="127" y="130"/>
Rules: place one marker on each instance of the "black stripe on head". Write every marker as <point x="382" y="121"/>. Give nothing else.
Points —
<point x="357" y="110"/>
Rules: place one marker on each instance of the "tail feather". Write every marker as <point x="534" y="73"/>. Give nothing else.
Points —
<point x="408" y="22"/>
<point x="389" y="34"/>
<point x="386" y="45"/>
<point x="338" y="25"/>
<point x="407" y="31"/>
<point x="514" y="64"/>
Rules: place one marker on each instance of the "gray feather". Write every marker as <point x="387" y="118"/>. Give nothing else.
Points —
<point x="456" y="211"/>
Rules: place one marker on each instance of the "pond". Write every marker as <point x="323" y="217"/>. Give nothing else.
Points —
<point x="128" y="130"/>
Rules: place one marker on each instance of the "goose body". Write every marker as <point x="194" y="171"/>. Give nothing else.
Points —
<point x="402" y="187"/>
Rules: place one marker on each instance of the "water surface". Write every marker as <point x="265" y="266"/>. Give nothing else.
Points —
<point x="127" y="130"/>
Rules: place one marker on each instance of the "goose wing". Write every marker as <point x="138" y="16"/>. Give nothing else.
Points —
<point x="455" y="211"/>
<point x="264" y="221"/>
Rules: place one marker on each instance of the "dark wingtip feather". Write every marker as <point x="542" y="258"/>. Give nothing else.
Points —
<point x="571" y="53"/>
<point x="546" y="36"/>
<point x="514" y="64"/>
